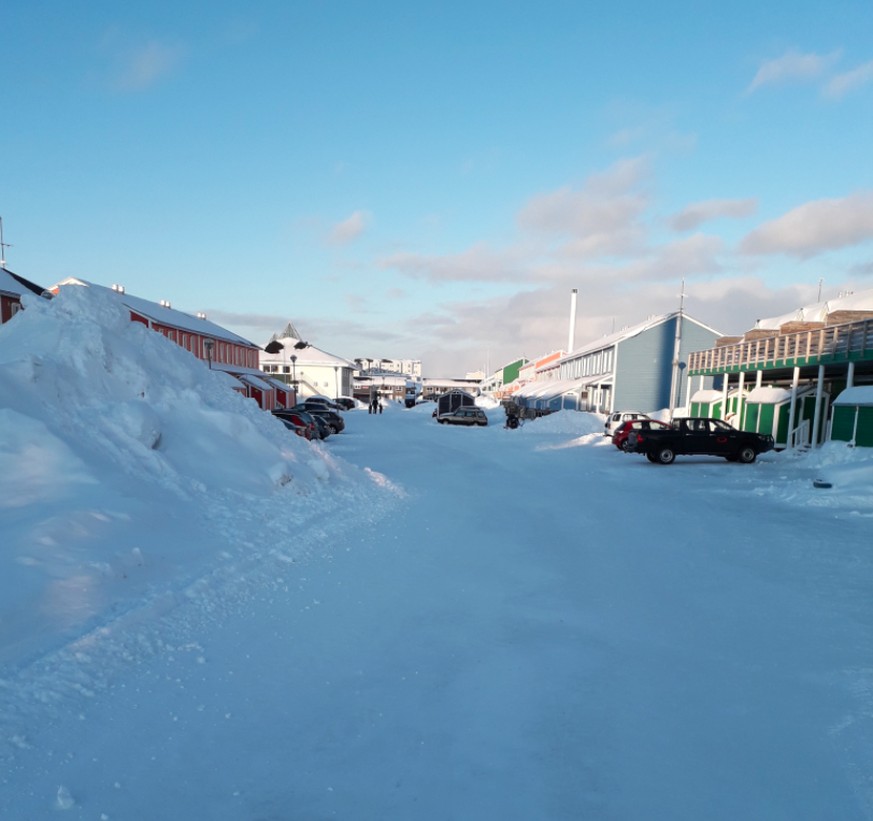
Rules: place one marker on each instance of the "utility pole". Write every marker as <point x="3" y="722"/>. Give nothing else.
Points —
<point x="677" y="343"/>
<point x="3" y="246"/>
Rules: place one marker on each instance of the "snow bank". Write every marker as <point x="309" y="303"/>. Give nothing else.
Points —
<point x="124" y="459"/>
<point x="575" y="423"/>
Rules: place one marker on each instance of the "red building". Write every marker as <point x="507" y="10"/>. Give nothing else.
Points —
<point x="12" y="288"/>
<point x="223" y="350"/>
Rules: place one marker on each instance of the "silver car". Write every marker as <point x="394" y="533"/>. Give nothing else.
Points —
<point x="465" y="415"/>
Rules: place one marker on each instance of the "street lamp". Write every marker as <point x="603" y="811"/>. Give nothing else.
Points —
<point x="294" y="373"/>
<point x="336" y="381"/>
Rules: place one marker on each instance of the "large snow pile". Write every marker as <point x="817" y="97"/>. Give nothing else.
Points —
<point x="124" y="459"/>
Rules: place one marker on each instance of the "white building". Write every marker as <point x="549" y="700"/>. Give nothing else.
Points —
<point x="310" y="370"/>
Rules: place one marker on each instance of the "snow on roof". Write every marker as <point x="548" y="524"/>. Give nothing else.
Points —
<point x="610" y="340"/>
<point x="818" y="311"/>
<point x="707" y="396"/>
<point x="18" y="286"/>
<point x="164" y="314"/>
<point x="548" y="389"/>
<point x="255" y="381"/>
<point x="307" y="355"/>
<point x="237" y="370"/>
<point x="768" y="395"/>
<point x="859" y="395"/>
<point x="277" y="383"/>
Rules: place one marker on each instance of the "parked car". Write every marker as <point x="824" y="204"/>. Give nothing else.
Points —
<point x="465" y="415"/>
<point x="345" y="402"/>
<point x="299" y="421"/>
<point x="623" y="431"/>
<point x="324" y="430"/>
<point x="617" y="417"/>
<point x="331" y="417"/>
<point x="320" y="402"/>
<point x="294" y="424"/>
<point x="699" y="435"/>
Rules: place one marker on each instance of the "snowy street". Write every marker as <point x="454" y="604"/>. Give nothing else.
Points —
<point x="538" y="627"/>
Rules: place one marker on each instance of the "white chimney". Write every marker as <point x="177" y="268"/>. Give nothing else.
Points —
<point x="571" y="338"/>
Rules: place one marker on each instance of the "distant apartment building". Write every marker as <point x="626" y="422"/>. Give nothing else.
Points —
<point x="407" y="367"/>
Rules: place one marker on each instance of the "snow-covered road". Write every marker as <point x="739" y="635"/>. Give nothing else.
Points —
<point x="537" y="627"/>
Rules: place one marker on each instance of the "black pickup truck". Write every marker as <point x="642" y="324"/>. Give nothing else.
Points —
<point x="699" y="435"/>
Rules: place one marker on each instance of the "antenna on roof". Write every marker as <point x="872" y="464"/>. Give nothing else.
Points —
<point x="3" y="246"/>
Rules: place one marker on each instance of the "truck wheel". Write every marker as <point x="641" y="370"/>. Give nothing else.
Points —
<point x="651" y="457"/>
<point x="665" y="456"/>
<point x="747" y="455"/>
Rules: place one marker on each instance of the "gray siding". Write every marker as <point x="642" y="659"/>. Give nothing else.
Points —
<point x="645" y="365"/>
<point x="642" y="376"/>
<point x="694" y="338"/>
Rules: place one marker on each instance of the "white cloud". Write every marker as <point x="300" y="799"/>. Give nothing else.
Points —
<point x="842" y="84"/>
<point x="815" y="227"/>
<point x="608" y="203"/>
<point x="690" y="256"/>
<point x="476" y="264"/>
<point x="792" y="66"/>
<point x="143" y="66"/>
<point x="697" y="213"/>
<point x="349" y="229"/>
<point x="460" y="336"/>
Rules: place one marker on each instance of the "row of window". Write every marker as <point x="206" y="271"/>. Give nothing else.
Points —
<point x="224" y="352"/>
<point x="589" y="365"/>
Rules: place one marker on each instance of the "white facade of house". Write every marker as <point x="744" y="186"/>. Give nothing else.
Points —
<point x="313" y="371"/>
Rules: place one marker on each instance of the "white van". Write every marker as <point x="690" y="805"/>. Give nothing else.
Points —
<point x="615" y="419"/>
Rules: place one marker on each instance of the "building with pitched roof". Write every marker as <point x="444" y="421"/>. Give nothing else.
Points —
<point x="310" y="371"/>
<point x="637" y="368"/>
<point x="12" y="288"/>
<point x="220" y="348"/>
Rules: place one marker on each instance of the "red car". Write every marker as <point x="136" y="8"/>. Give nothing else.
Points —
<point x="619" y="438"/>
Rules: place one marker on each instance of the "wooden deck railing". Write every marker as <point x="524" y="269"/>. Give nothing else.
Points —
<point x="840" y="342"/>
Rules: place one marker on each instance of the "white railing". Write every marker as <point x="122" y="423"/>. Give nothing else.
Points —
<point x="800" y="435"/>
<point x="837" y="340"/>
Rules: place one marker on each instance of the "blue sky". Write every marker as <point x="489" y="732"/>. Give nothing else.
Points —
<point x="431" y="180"/>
